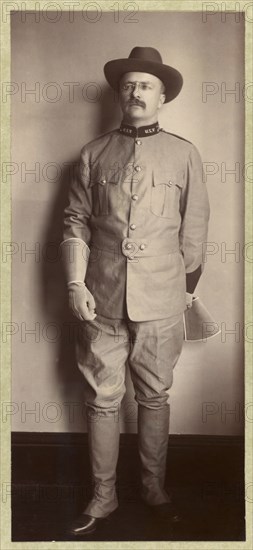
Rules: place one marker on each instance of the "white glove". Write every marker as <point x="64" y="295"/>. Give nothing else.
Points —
<point x="189" y="298"/>
<point x="81" y="301"/>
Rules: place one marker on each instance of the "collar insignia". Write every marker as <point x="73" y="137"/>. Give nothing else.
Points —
<point x="142" y="131"/>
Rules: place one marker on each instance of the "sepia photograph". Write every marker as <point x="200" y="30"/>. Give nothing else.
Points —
<point x="128" y="251"/>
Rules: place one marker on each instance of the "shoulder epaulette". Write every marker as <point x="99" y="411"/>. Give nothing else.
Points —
<point x="175" y="135"/>
<point x="101" y="136"/>
<point x="107" y="133"/>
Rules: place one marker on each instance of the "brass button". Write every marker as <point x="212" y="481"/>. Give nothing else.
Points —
<point x="138" y="142"/>
<point x="132" y="226"/>
<point x="137" y="168"/>
<point x="135" y="197"/>
<point x="142" y="246"/>
<point x="103" y="180"/>
<point x="128" y="246"/>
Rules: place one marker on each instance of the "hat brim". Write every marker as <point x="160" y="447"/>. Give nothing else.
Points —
<point x="172" y="79"/>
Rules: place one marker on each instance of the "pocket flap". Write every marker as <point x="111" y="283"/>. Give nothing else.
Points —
<point x="102" y="175"/>
<point x="161" y="177"/>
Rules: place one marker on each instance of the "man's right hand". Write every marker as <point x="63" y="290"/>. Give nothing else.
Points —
<point x="81" y="301"/>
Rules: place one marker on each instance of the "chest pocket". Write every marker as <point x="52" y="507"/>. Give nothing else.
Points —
<point x="103" y="182"/>
<point x="166" y="193"/>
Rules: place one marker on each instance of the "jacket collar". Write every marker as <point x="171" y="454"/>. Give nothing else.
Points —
<point x="142" y="131"/>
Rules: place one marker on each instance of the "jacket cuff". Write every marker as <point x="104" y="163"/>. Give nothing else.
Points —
<point x="192" y="279"/>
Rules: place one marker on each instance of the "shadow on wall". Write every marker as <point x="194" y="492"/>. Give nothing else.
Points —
<point x="53" y="285"/>
<point x="109" y="112"/>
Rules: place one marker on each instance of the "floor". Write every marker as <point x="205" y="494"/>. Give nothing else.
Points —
<point x="51" y="484"/>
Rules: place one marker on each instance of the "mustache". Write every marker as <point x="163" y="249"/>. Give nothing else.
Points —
<point x="136" y="102"/>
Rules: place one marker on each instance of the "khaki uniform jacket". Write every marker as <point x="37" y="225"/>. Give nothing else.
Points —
<point x="139" y="202"/>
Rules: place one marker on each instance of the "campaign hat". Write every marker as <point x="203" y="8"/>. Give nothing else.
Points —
<point x="199" y="324"/>
<point x="146" y="60"/>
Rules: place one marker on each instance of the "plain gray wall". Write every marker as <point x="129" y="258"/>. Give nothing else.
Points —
<point x="208" y="379"/>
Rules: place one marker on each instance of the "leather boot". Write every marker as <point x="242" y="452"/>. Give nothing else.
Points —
<point x="103" y="438"/>
<point x="153" y="435"/>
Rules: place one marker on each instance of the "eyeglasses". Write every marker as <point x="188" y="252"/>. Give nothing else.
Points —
<point x="131" y="86"/>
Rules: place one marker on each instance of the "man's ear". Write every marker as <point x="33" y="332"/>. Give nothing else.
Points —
<point x="162" y="100"/>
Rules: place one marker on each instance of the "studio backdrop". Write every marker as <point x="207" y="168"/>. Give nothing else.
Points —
<point x="60" y="101"/>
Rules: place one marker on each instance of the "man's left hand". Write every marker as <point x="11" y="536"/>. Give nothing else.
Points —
<point x="189" y="298"/>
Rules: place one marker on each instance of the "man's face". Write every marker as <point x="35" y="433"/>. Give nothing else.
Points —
<point x="141" y="96"/>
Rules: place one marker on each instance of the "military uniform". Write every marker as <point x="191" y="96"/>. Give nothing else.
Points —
<point x="139" y="203"/>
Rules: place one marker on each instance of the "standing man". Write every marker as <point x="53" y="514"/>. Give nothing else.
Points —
<point x="134" y="232"/>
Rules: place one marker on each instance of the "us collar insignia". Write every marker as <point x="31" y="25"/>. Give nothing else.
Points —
<point x="142" y="131"/>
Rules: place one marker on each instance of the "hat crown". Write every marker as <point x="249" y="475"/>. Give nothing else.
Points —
<point x="145" y="54"/>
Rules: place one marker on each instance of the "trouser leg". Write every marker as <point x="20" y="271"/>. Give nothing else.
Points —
<point x="101" y="355"/>
<point x="156" y="348"/>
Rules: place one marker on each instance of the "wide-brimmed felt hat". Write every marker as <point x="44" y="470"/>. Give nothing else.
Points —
<point x="145" y="60"/>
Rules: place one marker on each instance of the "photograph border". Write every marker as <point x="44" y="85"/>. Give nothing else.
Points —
<point x="6" y="215"/>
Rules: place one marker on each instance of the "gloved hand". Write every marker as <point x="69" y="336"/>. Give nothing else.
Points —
<point x="81" y="301"/>
<point x="189" y="298"/>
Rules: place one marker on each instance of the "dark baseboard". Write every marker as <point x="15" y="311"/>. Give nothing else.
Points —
<point x="51" y="483"/>
<point x="77" y="439"/>
<point x="47" y="457"/>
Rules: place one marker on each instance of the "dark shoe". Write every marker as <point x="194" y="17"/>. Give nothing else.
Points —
<point x="166" y="512"/>
<point x="84" y="525"/>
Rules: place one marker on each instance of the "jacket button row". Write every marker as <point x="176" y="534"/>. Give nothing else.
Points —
<point x="137" y="168"/>
<point x="133" y="226"/>
<point x="135" y="197"/>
